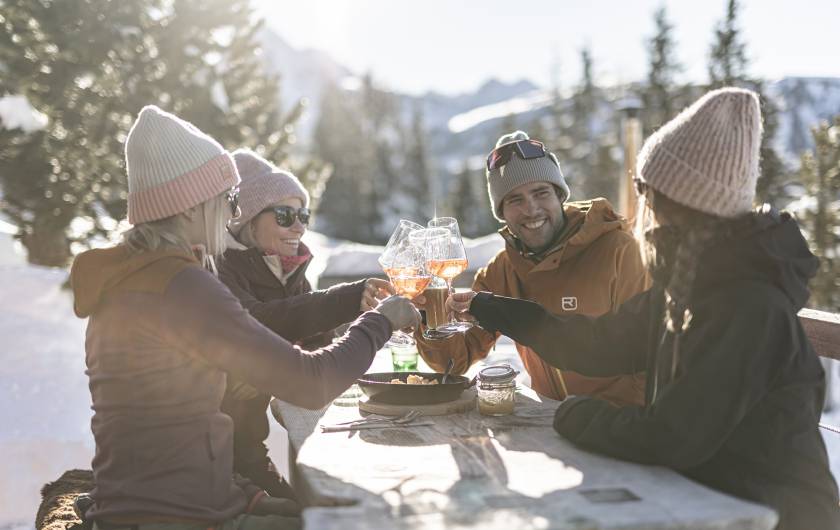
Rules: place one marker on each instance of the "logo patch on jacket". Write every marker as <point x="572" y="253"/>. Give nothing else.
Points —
<point x="569" y="303"/>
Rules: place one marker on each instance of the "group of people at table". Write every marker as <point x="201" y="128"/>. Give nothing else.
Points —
<point x="674" y="344"/>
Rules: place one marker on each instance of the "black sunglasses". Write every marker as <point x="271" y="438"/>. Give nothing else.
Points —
<point x="525" y="149"/>
<point x="285" y="215"/>
<point x="233" y="201"/>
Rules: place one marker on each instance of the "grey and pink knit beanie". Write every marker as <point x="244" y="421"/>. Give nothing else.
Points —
<point x="172" y="166"/>
<point x="707" y="157"/>
<point x="263" y="185"/>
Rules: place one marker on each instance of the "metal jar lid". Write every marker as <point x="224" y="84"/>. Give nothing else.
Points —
<point x="500" y="373"/>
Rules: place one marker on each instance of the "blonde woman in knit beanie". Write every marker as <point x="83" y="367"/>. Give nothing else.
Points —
<point x="265" y="269"/>
<point x="164" y="333"/>
<point x="734" y="389"/>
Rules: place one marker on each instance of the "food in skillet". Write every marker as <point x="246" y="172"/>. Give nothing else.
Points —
<point x="414" y="380"/>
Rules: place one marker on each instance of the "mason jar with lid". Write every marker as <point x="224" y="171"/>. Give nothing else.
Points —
<point x="496" y="390"/>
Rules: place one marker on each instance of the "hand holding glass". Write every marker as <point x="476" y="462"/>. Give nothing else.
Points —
<point x="445" y="258"/>
<point x="405" y="265"/>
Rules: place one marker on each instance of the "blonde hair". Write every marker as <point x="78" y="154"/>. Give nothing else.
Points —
<point x="167" y="233"/>
<point x="170" y="232"/>
<point x="645" y="222"/>
<point x="216" y="218"/>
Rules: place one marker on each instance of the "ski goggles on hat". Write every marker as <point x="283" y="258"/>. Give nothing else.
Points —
<point x="232" y="197"/>
<point x="285" y="215"/>
<point x="524" y="149"/>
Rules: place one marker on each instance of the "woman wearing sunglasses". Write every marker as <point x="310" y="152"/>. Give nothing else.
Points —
<point x="265" y="270"/>
<point x="164" y="332"/>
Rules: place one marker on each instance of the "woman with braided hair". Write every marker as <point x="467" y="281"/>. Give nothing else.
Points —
<point x="734" y="389"/>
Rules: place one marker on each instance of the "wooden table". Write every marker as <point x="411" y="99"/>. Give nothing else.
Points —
<point x="507" y="473"/>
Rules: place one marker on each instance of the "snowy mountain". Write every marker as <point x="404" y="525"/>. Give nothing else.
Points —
<point x="803" y="103"/>
<point x="303" y="74"/>
<point x="461" y="125"/>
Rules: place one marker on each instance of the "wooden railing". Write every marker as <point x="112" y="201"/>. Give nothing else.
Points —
<point x="823" y="330"/>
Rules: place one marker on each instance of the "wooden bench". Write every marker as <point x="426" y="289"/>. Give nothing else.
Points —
<point x="823" y="330"/>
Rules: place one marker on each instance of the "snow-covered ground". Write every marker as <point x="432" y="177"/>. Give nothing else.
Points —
<point x="44" y="400"/>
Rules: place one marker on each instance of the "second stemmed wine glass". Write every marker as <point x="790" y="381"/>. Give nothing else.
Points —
<point x="397" y="242"/>
<point x="447" y="261"/>
<point x="405" y="265"/>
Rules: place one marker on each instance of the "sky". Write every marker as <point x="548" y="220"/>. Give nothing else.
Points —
<point x="453" y="46"/>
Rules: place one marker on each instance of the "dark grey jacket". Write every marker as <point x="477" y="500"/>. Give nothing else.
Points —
<point x="741" y="413"/>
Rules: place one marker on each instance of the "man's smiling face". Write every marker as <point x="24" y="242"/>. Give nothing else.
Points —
<point x="534" y="213"/>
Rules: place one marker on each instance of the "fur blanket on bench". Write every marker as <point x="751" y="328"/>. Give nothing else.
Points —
<point x="56" y="510"/>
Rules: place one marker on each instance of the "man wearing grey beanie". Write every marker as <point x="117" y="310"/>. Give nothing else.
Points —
<point x="572" y="257"/>
<point x="734" y="388"/>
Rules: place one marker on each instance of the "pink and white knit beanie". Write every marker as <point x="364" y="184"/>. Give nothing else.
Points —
<point x="172" y="166"/>
<point x="263" y="185"/>
<point x="707" y="157"/>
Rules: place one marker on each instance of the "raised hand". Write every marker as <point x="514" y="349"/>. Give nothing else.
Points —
<point x="375" y="290"/>
<point x="459" y="305"/>
<point x="399" y="311"/>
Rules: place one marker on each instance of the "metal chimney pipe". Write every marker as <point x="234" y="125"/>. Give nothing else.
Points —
<point x="631" y="132"/>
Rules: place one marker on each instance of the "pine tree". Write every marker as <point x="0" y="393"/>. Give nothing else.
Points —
<point x="587" y="84"/>
<point x="59" y="55"/>
<point x="386" y="195"/>
<point x="728" y="66"/>
<point x="416" y="181"/>
<point x="507" y="126"/>
<point x="538" y="131"/>
<point x="360" y="135"/>
<point x="197" y="58"/>
<point x="469" y="203"/>
<point x="820" y="174"/>
<point x="339" y="140"/>
<point x="728" y="56"/>
<point x="591" y="158"/>
<point x="660" y="93"/>
<point x="561" y="141"/>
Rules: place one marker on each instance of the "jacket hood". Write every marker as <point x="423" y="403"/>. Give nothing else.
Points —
<point x="97" y="273"/>
<point x="766" y="246"/>
<point x="586" y="221"/>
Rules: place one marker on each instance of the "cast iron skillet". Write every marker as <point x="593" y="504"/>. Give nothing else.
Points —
<point x="378" y="387"/>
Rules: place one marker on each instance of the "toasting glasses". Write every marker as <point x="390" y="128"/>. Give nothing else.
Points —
<point x="405" y="265"/>
<point x="445" y="258"/>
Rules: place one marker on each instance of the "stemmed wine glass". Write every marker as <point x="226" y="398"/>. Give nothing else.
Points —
<point x="405" y="265"/>
<point x="447" y="258"/>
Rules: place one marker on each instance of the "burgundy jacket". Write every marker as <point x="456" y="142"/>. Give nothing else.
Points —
<point x="293" y="310"/>
<point x="162" y="333"/>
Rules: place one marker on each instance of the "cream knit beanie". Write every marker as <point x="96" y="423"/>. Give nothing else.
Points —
<point x="263" y="185"/>
<point x="706" y="158"/>
<point x="172" y="166"/>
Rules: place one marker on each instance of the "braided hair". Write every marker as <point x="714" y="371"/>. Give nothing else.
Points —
<point x="681" y="283"/>
<point x="670" y="253"/>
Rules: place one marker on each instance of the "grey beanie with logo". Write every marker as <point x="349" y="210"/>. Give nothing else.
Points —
<point x="502" y="180"/>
